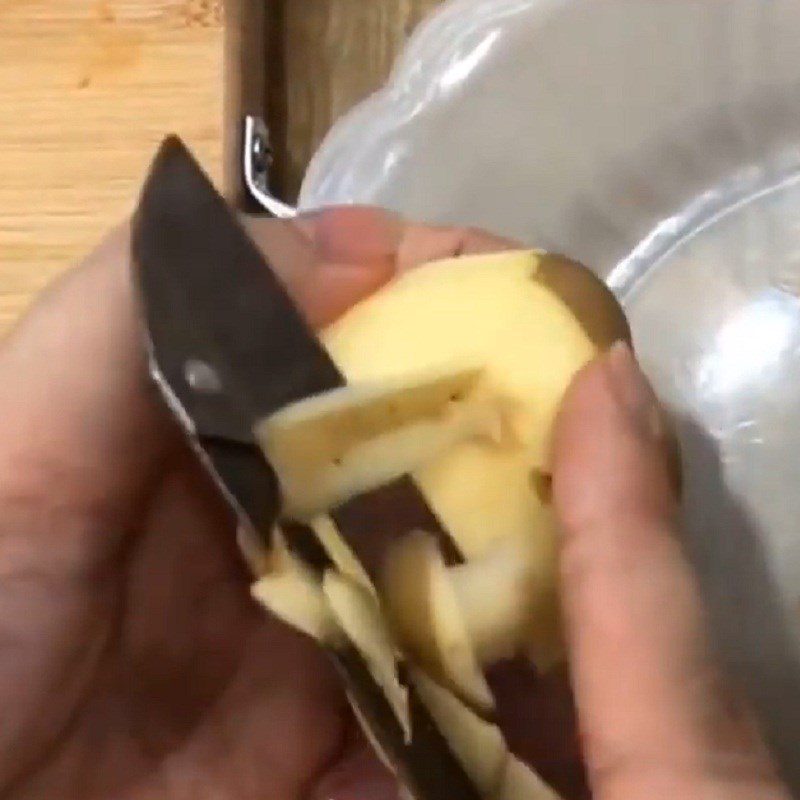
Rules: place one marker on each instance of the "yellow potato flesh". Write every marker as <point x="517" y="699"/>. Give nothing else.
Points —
<point x="489" y="311"/>
<point x="484" y="494"/>
<point x="291" y="591"/>
<point x="496" y="597"/>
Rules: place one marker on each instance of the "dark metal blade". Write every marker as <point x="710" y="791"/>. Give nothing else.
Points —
<point x="228" y="348"/>
<point x="220" y="327"/>
<point x="226" y="338"/>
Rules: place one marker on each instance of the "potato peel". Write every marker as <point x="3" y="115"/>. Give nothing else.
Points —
<point x="476" y="743"/>
<point x="341" y="553"/>
<point x="480" y="746"/>
<point x="425" y="615"/>
<point x="358" y="613"/>
<point x="293" y="593"/>
<point x="520" y="782"/>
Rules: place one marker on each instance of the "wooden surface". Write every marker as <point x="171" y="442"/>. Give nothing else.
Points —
<point x="87" y="90"/>
<point x="89" y="87"/>
<point x="323" y="56"/>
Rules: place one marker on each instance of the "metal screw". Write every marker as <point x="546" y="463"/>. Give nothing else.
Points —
<point x="262" y="154"/>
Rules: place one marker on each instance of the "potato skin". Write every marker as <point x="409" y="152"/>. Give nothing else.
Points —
<point x="591" y="302"/>
<point x="600" y="314"/>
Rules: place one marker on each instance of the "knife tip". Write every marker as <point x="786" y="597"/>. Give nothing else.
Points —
<point x="174" y="158"/>
<point x="175" y="182"/>
<point x="171" y="146"/>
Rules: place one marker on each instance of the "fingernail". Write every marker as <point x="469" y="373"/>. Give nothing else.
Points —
<point x="353" y="234"/>
<point x="632" y="390"/>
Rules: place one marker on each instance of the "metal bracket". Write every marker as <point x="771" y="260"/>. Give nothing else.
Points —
<point x="257" y="157"/>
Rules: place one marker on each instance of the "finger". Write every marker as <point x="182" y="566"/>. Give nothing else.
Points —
<point x="84" y="433"/>
<point x="421" y="243"/>
<point x="73" y="377"/>
<point x="356" y="775"/>
<point x="82" y="425"/>
<point x="355" y="234"/>
<point x="355" y="246"/>
<point x="362" y="248"/>
<point x="656" y="719"/>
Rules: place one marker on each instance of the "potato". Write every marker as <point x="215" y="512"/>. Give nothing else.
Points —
<point x="454" y="375"/>
<point x="529" y="321"/>
<point x="496" y="596"/>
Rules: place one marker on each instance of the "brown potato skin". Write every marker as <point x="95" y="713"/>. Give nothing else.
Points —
<point x="591" y="302"/>
<point x="542" y="483"/>
<point x="600" y="314"/>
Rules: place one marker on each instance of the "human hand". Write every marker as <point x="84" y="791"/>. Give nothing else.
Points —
<point x="133" y="664"/>
<point x="658" y="720"/>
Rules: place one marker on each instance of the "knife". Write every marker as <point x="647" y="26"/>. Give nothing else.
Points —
<point x="227" y="348"/>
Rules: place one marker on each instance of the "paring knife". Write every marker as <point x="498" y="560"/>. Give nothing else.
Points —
<point x="228" y="348"/>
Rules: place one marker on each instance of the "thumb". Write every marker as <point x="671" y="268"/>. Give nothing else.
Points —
<point x="656" y="718"/>
<point x="84" y="434"/>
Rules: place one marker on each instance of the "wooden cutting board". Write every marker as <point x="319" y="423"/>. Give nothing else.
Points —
<point x="89" y="87"/>
<point x="87" y="90"/>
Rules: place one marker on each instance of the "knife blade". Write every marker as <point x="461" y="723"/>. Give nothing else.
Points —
<point x="219" y="326"/>
<point x="227" y="347"/>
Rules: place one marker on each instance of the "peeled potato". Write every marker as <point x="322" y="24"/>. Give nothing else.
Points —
<point x="529" y="321"/>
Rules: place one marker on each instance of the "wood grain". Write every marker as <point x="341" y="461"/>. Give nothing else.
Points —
<point x="89" y="87"/>
<point x="245" y="81"/>
<point x="331" y="54"/>
<point x="87" y="90"/>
